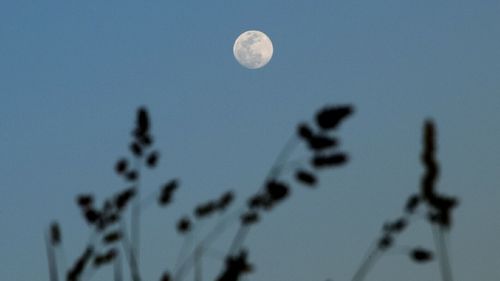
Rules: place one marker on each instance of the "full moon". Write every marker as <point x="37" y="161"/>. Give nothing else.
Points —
<point x="253" y="49"/>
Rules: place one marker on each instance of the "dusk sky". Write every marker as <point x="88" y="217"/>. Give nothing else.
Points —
<point x="73" y="73"/>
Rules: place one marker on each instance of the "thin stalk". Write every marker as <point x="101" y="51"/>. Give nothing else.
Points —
<point x="118" y="269"/>
<point x="136" y="214"/>
<point x="217" y="230"/>
<point x="87" y="272"/>
<point x="129" y="251"/>
<point x="446" y="258"/>
<point x="185" y="246"/>
<point x="284" y="154"/>
<point x="61" y="258"/>
<point x="214" y="254"/>
<point x="148" y="200"/>
<point x="293" y="164"/>
<point x="197" y="268"/>
<point x="440" y="244"/>
<point x="274" y="172"/>
<point x="238" y="239"/>
<point x="367" y="264"/>
<point x="51" y="259"/>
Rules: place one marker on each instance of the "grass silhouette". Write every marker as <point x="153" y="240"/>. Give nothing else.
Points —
<point x="116" y="237"/>
<point x="437" y="211"/>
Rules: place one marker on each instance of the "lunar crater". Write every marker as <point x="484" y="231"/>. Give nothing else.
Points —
<point x="253" y="49"/>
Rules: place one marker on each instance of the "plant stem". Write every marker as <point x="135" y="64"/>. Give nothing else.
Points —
<point x="197" y="268"/>
<point x="284" y="154"/>
<point x="118" y="269"/>
<point x="274" y="172"/>
<point x="184" y="248"/>
<point x="446" y="258"/>
<point x="135" y="216"/>
<point x="439" y="241"/>
<point x="217" y="230"/>
<point x="367" y="264"/>
<point x="128" y="249"/>
<point x="238" y="239"/>
<point x="52" y="261"/>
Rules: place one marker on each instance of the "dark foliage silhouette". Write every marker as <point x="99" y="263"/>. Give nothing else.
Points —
<point x="437" y="208"/>
<point x="108" y="221"/>
<point x="113" y="239"/>
<point x="235" y="267"/>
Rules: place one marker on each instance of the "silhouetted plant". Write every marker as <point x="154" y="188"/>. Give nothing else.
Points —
<point x="438" y="213"/>
<point x="109" y="225"/>
<point x="76" y="271"/>
<point x="319" y="138"/>
<point x="166" y="192"/>
<point x="53" y="242"/>
<point x="235" y="267"/>
<point x="322" y="145"/>
<point x="184" y="225"/>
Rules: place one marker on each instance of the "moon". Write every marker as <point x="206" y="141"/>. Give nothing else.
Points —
<point x="253" y="49"/>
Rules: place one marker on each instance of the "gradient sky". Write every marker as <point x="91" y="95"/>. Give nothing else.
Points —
<point x="72" y="74"/>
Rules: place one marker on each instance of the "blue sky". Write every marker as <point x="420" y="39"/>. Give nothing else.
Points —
<point x="73" y="72"/>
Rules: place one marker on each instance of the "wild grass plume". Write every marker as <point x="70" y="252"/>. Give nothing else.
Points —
<point x="115" y="233"/>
